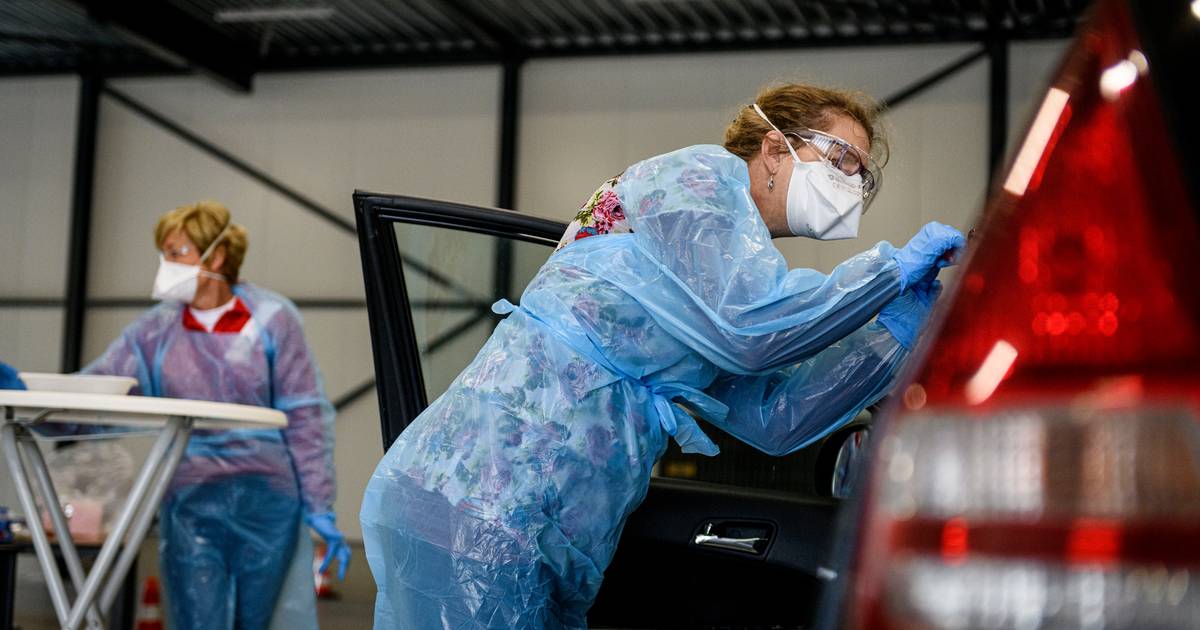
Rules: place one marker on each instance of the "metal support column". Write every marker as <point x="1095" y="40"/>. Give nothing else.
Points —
<point x="510" y="112"/>
<point x="90" y="85"/>
<point x="506" y="170"/>
<point x="997" y="47"/>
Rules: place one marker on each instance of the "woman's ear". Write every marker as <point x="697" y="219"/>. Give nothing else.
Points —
<point x="216" y="260"/>
<point x="770" y="150"/>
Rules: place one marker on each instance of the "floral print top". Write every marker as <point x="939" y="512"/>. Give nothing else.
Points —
<point x="600" y="214"/>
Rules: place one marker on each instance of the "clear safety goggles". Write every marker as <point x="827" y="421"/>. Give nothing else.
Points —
<point x="844" y="157"/>
<point x="838" y="154"/>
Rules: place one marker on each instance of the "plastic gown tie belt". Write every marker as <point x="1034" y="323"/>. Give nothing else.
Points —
<point x="679" y="424"/>
<point x="232" y="443"/>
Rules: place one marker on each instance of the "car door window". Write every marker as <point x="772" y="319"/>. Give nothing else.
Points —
<point x="453" y="277"/>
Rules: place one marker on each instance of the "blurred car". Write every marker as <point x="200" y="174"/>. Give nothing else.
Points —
<point x="1040" y="468"/>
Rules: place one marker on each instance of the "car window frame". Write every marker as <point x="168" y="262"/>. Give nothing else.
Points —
<point x="400" y="381"/>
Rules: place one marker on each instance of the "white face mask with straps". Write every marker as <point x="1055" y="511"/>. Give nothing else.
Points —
<point x="822" y="202"/>
<point x="177" y="282"/>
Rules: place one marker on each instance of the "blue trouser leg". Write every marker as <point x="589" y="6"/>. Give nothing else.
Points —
<point x="225" y="549"/>
<point x="264" y="554"/>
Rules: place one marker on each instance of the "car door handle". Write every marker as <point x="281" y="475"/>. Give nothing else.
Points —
<point x="745" y="545"/>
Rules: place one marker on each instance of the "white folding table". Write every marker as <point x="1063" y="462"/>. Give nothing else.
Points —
<point x="173" y="419"/>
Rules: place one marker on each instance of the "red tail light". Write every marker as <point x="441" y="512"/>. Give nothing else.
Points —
<point x="1043" y="469"/>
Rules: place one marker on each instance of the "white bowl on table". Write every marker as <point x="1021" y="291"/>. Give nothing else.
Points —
<point x="77" y="383"/>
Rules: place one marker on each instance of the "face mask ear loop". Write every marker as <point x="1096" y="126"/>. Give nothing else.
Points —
<point x="216" y="241"/>
<point x="785" y="141"/>
<point x="211" y="247"/>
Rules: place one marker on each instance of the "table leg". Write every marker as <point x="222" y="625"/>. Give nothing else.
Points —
<point x="123" y="615"/>
<point x="108" y="550"/>
<point x="145" y="516"/>
<point x="41" y="544"/>
<point x="8" y="587"/>
<point x="66" y="544"/>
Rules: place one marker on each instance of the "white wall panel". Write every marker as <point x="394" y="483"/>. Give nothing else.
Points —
<point x="37" y="152"/>
<point x="31" y="338"/>
<point x="419" y="132"/>
<point x="101" y="326"/>
<point x="356" y="452"/>
<point x="37" y="148"/>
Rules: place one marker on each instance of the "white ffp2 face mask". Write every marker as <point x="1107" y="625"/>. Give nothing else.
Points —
<point x="178" y="281"/>
<point x="822" y="202"/>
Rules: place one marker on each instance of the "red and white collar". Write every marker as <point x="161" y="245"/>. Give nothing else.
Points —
<point x="232" y="320"/>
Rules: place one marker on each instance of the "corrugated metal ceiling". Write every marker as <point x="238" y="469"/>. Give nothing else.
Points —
<point x="63" y="36"/>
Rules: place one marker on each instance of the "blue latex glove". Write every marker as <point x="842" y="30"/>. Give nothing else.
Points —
<point x="9" y="378"/>
<point x="906" y="315"/>
<point x="335" y="542"/>
<point x="934" y="247"/>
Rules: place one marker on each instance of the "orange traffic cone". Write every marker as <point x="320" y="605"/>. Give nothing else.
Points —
<point x="149" y="614"/>
<point x="321" y="581"/>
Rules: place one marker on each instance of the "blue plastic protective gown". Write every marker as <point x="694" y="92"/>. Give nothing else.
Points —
<point x="502" y="504"/>
<point x="230" y="518"/>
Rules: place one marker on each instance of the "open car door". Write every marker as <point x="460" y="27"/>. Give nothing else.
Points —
<point x="739" y="541"/>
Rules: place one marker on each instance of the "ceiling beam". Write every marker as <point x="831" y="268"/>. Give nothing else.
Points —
<point x="480" y="23"/>
<point x="173" y="35"/>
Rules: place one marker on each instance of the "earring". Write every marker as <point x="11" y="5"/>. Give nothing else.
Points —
<point x="771" y="183"/>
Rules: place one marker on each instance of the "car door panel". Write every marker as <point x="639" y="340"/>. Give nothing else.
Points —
<point x="671" y="582"/>
<point x="660" y="576"/>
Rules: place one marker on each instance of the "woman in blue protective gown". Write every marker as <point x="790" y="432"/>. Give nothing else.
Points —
<point x="230" y="518"/>
<point x="501" y="505"/>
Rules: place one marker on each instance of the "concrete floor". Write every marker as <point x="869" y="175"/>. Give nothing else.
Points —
<point x="352" y="607"/>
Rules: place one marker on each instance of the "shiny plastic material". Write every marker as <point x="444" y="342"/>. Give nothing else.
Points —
<point x="802" y="404"/>
<point x="500" y="506"/>
<point x="267" y="364"/>
<point x="1086" y="272"/>
<point x="92" y="472"/>
<point x="237" y="494"/>
<point x="226" y="546"/>
<point x="906" y="315"/>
